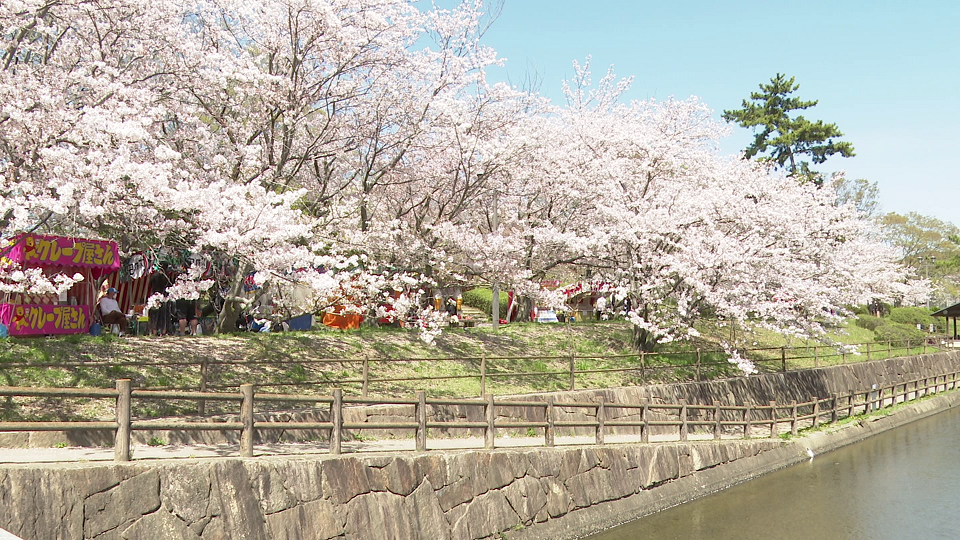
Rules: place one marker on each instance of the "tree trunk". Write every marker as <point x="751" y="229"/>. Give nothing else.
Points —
<point x="525" y="306"/>
<point x="642" y="339"/>
<point x="226" y="320"/>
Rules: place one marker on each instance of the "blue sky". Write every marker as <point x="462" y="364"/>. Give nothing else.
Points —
<point x="887" y="73"/>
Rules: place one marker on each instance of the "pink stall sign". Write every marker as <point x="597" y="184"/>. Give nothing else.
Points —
<point x="42" y="319"/>
<point x="34" y="250"/>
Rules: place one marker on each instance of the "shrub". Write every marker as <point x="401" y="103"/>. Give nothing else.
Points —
<point x="869" y="322"/>
<point x="912" y="316"/>
<point x="898" y="332"/>
<point x="482" y="299"/>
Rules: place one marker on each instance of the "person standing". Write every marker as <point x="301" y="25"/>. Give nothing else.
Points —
<point x="187" y="313"/>
<point x="600" y="306"/>
<point x="160" y="316"/>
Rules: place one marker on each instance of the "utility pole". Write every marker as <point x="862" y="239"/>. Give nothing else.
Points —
<point x="926" y="262"/>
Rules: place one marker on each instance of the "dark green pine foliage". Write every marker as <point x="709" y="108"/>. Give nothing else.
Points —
<point x="784" y="139"/>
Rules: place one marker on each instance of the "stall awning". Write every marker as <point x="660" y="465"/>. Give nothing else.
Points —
<point x="41" y="251"/>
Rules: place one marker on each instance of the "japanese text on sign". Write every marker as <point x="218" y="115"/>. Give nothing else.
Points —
<point x="67" y="252"/>
<point x="48" y="319"/>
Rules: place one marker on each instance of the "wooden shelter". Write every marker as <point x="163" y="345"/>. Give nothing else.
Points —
<point x="948" y="313"/>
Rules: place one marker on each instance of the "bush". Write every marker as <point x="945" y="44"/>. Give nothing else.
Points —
<point x="898" y="332"/>
<point x="482" y="299"/>
<point x="869" y="322"/>
<point x="912" y="316"/>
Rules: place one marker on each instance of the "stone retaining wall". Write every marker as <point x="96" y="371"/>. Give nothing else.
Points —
<point x="525" y="494"/>
<point x="405" y="497"/>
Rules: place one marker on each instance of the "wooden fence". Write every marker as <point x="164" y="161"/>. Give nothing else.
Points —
<point x="362" y="372"/>
<point x="740" y="421"/>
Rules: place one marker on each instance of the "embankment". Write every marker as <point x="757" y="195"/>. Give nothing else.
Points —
<point x="514" y="493"/>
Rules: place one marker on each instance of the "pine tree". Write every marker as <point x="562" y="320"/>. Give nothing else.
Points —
<point x="783" y="139"/>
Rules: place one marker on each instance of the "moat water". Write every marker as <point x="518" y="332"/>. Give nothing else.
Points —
<point x="902" y="484"/>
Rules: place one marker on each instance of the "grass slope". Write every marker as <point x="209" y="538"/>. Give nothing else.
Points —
<point x="319" y="360"/>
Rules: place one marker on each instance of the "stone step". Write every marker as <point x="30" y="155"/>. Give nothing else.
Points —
<point x="474" y="313"/>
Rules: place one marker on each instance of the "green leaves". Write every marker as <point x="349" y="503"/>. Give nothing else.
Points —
<point x="782" y="138"/>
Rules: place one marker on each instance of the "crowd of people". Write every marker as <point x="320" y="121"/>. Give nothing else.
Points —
<point x="602" y="312"/>
<point x="179" y="316"/>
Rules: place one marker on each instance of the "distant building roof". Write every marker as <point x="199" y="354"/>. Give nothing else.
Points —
<point x="952" y="311"/>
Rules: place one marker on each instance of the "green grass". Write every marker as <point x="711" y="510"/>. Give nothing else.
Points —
<point x="519" y="358"/>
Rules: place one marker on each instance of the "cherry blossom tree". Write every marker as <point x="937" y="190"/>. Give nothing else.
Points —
<point x="352" y="153"/>
<point x="679" y="228"/>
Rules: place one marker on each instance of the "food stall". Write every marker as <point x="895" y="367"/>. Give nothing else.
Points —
<point x="69" y="313"/>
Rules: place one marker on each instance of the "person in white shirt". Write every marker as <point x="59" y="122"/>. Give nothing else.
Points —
<point x="110" y="310"/>
<point x="600" y="307"/>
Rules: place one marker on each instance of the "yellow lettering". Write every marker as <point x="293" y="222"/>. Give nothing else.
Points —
<point x="107" y="258"/>
<point x="69" y="318"/>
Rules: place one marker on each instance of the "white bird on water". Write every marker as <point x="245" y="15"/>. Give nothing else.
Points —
<point x="810" y="453"/>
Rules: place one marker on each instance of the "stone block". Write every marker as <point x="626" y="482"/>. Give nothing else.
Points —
<point x="241" y="512"/>
<point x="40" y="503"/>
<point x="558" y="501"/>
<point x="160" y="524"/>
<point x="483" y="517"/>
<point x="349" y="477"/>
<point x="392" y="517"/>
<point x="185" y="491"/>
<point x="121" y="505"/>
<point x="322" y="519"/>
<point x="526" y="497"/>
<point x="268" y="483"/>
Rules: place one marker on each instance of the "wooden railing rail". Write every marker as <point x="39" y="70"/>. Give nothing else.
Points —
<point x="547" y="415"/>
<point x="641" y="363"/>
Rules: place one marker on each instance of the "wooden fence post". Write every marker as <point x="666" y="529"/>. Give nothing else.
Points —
<point x="645" y="428"/>
<point x="246" y="418"/>
<point x="773" y="419"/>
<point x="793" y="419"/>
<point x="698" y="365"/>
<point x="816" y="361"/>
<point x="549" y="433"/>
<point x="483" y="375"/>
<point x="421" y="421"/>
<point x="816" y="411"/>
<point x="683" y="420"/>
<point x="833" y="408"/>
<point x="573" y="368"/>
<point x="783" y="359"/>
<point x="601" y="417"/>
<point x="366" y="376"/>
<point x="202" y="403"/>
<point x="336" y="422"/>
<point x="121" y="443"/>
<point x="868" y="351"/>
<point x="746" y="420"/>
<point x="716" y="418"/>
<point x="642" y="367"/>
<point x="491" y="416"/>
